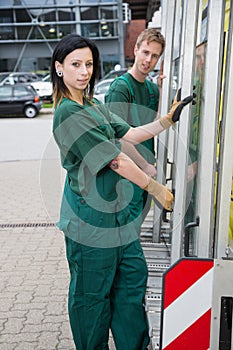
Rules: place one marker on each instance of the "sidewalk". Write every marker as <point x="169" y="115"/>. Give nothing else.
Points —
<point x="33" y="269"/>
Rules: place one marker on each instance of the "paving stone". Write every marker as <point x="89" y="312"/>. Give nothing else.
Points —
<point x="3" y="321"/>
<point x="13" y="314"/>
<point x="6" y="305"/>
<point x="19" y="338"/>
<point x="34" y="317"/>
<point x="8" y="346"/>
<point x="40" y="328"/>
<point x="26" y="346"/>
<point x="34" y="272"/>
<point x="48" y="340"/>
<point x="13" y="325"/>
<point x="29" y="306"/>
<point x="23" y="297"/>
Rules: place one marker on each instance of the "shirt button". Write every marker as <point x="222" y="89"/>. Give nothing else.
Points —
<point x="82" y="201"/>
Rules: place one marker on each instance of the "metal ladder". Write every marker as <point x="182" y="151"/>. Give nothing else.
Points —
<point x="158" y="261"/>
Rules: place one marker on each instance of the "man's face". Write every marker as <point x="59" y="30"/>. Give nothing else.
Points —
<point x="147" y="56"/>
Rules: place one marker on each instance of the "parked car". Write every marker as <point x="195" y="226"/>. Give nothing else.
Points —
<point x="44" y="88"/>
<point x="17" y="77"/>
<point x="19" y="100"/>
<point x="114" y="74"/>
<point x="153" y="75"/>
<point x="101" y="88"/>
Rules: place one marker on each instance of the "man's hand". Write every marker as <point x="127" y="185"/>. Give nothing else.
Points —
<point x="161" y="76"/>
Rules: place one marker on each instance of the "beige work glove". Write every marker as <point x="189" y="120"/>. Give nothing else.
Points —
<point x="160" y="192"/>
<point x="176" y="109"/>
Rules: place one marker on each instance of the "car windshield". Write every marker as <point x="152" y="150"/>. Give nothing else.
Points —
<point x="103" y="87"/>
<point x="3" y="76"/>
<point x="46" y="78"/>
<point x="114" y="74"/>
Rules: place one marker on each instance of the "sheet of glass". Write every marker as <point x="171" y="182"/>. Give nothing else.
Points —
<point x="192" y="170"/>
<point x="226" y="32"/>
<point x="192" y="190"/>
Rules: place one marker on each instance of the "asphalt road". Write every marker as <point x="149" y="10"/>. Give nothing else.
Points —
<point x="27" y="139"/>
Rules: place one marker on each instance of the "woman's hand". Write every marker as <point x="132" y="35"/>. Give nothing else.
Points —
<point x="161" y="193"/>
<point x="150" y="170"/>
<point x="177" y="106"/>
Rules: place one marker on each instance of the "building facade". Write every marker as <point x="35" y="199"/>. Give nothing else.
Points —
<point x="29" y="31"/>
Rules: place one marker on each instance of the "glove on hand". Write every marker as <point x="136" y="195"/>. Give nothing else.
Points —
<point x="161" y="193"/>
<point x="176" y="109"/>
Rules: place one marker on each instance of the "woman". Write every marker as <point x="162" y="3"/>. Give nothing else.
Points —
<point x="107" y="266"/>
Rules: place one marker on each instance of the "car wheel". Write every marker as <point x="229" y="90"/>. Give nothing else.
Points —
<point x="30" y="111"/>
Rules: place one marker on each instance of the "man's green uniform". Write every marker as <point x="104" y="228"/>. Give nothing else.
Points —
<point x="137" y="103"/>
<point x="107" y="266"/>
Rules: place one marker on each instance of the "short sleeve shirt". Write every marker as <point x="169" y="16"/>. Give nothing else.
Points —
<point x="93" y="200"/>
<point x="87" y="137"/>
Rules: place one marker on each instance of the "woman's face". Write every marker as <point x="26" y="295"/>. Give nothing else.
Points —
<point x="77" y="69"/>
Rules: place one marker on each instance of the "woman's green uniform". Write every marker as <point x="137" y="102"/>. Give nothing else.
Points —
<point x="107" y="265"/>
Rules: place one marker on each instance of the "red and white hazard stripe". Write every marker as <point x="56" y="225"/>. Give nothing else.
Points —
<point x="187" y="303"/>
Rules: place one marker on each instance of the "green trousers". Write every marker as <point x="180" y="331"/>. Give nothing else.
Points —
<point x="107" y="289"/>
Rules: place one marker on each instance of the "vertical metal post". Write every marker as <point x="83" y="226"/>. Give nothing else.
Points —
<point x="226" y="155"/>
<point x="187" y="67"/>
<point x="121" y="34"/>
<point x="168" y="12"/>
<point x="77" y="17"/>
<point x="209" y="125"/>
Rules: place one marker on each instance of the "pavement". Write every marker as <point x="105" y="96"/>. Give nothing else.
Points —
<point x="34" y="274"/>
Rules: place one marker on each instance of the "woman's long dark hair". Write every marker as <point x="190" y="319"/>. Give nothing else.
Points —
<point x="65" y="46"/>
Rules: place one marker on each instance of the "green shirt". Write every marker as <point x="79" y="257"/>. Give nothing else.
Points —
<point x="137" y="103"/>
<point x="94" y="204"/>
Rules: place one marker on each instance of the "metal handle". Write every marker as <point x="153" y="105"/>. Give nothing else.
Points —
<point x="165" y="211"/>
<point x="187" y="234"/>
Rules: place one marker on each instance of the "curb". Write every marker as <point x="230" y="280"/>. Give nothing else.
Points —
<point x="46" y="111"/>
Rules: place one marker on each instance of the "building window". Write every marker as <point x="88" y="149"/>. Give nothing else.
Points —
<point x="6" y="29"/>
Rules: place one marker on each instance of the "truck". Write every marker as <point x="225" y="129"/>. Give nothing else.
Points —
<point x="189" y="251"/>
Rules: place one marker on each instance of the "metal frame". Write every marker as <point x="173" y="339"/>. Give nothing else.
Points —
<point x="226" y="155"/>
<point x="187" y="64"/>
<point x="222" y="286"/>
<point x="207" y="158"/>
<point x="168" y="13"/>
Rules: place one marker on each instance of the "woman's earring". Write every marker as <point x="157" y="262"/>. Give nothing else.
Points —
<point x="59" y="73"/>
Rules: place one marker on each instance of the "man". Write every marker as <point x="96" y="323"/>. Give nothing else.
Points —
<point x="136" y="99"/>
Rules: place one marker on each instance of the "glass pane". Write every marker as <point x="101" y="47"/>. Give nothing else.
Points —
<point x="48" y="15"/>
<point x="109" y="29"/>
<point x="66" y="14"/>
<point x="195" y="125"/>
<point x="94" y="1"/>
<point x="22" y="15"/>
<point x="194" y="133"/>
<point x="23" y="32"/>
<point x="87" y="1"/>
<point x="5" y="91"/>
<point x="109" y="12"/>
<point x="90" y="30"/>
<point x="221" y="119"/>
<point x="89" y="13"/>
<point x="6" y="32"/>
<point x="20" y="91"/>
